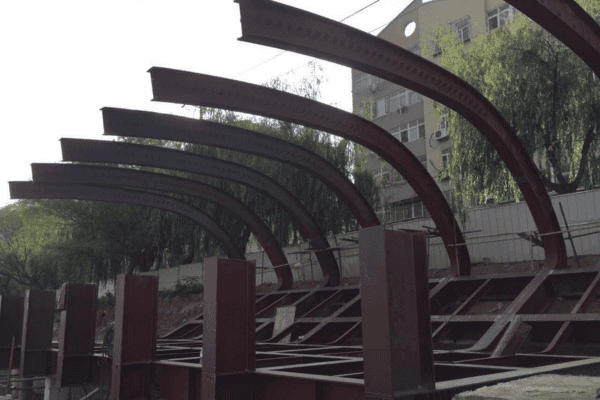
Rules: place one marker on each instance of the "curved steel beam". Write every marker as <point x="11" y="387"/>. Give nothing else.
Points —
<point x="281" y="26"/>
<point x="53" y="190"/>
<point x="120" y="122"/>
<point x="205" y="90"/>
<point x="106" y="176"/>
<point x="569" y="23"/>
<point x="136" y="154"/>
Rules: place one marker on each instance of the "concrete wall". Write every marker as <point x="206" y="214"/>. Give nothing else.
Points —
<point x="501" y="221"/>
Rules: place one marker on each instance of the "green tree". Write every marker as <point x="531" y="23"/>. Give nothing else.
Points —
<point x="28" y="235"/>
<point x="547" y="94"/>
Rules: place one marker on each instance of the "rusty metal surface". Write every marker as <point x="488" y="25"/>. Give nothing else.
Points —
<point x="106" y="176"/>
<point x="136" y="319"/>
<point x="120" y="122"/>
<point x="282" y="26"/>
<point x="11" y="325"/>
<point x="135" y="154"/>
<point x="205" y="90"/>
<point x="396" y="327"/>
<point x="30" y="190"/>
<point x="77" y="335"/>
<point x="229" y="341"/>
<point x="36" y="339"/>
<point x="569" y="23"/>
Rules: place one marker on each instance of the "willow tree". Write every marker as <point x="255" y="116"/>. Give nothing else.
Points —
<point x="547" y="94"/>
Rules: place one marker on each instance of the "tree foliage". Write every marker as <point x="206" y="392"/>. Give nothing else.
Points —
<point x="547" y="94"/>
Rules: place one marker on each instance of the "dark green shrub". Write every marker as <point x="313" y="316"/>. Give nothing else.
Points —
<point x="108" y="300"/>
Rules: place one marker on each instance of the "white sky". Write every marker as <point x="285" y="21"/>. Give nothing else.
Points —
<point x="62" y="61"/>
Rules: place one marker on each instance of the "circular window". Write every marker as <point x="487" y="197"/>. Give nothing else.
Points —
<point x="410" y="28"/>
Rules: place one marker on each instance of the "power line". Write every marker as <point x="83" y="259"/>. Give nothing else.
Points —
<point x="283" y="52"/>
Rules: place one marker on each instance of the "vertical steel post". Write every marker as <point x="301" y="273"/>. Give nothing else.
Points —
<point x="77" y="334"/>
<point x="11" y="326"/>
<point x="136" y="309"/>
<point x="396" y="322"/>
<point x="36" y="339"/>
<point x="229" y="341"/>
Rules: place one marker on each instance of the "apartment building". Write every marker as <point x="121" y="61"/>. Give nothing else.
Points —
<point x="409" y="116"/>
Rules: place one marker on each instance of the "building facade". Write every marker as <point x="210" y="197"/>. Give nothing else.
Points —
<point x="408" y="115"/>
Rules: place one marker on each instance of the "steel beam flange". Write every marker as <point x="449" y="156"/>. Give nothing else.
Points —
<point x="205" y="90"/>
<point x="120" y="122"/>
<point x="134" y="154"/>
<point x="569" y="23"/>
<point x="106" y="176"/>
<point x="30" y="190"/>
<point x="277" y="25"/>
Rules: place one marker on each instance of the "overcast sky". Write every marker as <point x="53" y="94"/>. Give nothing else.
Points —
<point x="64" y="60"/>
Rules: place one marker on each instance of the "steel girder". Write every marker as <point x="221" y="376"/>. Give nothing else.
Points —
<point x="31" y="190"/>
<point x="106" y="176"/>
<point x="119" y="122"/>
<point x="569" y="23"/>
<point x="135" y="154"/>
<point x="205" y="90"/>
<point x="277" y="25"/>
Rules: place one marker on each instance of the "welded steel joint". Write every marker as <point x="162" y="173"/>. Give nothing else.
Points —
<point x="285" y="27"/>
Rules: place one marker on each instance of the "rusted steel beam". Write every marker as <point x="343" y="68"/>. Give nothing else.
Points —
<point x="36" y="340"/>
<point x="205" y="90"/>
<point x="11" y="326"/>
<point x="569" y="23"/>
<point x="278" y="25"/>
<point x="120" y="122"/>
<point x="106" y="176"/>
<point x="136" y="319"/>
<point x="229" y="341"/>
<point x="77" y="335"/>
<point x="396" y="324"/>
<point x="31" y="190"/>
<point x="135" y="154"/>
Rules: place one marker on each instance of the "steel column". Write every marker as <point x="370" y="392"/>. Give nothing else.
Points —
<point x="277" y="25"/>
<point x="77" y="336"/>
<point x="229" y="341"/>
<point x="204" y="90"/>
<point x="136" y="318"/>
<point x="106" y="176"/>
<point x="396" y="323"/>
<point x="135" y="154"/>
<point x="36" y="339"/>
<point x="119" y="122"/>
<point x="30" y="190"/>
<point x="11" y="326"/>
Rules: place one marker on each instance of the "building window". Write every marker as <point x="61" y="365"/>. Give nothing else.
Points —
<point x="444" y="122"/>
<point x="437" y="50"/>
<point x="364" y="81"/>
<point x="462" y="28"/>
<point x="446" y="157"/>
<point x="380" y="109"/>
<point x="412" y="130"/>
<point x="498" y="17"/>
<point x="397" y="101"/>
<point x="407" y="209"/>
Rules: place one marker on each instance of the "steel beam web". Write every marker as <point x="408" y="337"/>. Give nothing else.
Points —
<point x="277" y="25"/>
<point x="30" y="190"/>
<point x="120" y="122"/>
<point x="106" y="176"/>
<point x="153" y="156"/>
<point x="569" y="23"/>
<point x="205" y="90"/>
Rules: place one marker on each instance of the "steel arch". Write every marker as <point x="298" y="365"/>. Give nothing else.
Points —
<point x="107" y="176"/>
<point x="45" y="190"/>
<point x="205" y="90"/>
<point x="136" y="154"/>
<point x="277" y="25"/>
<point x="569" y="23"/>
<point x="120" y="122"/>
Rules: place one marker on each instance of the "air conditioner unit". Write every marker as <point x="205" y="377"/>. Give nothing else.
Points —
<point x="441" y="134"/>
